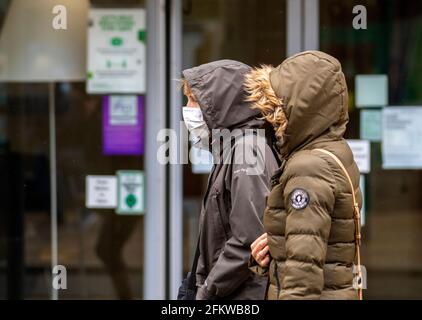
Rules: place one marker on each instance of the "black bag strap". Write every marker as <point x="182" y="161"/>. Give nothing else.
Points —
<point x="192" y="278"/>
<point x="275" y="153"/>
<point x="271" y="141"/>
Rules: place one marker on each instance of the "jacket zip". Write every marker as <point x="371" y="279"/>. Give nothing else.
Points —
<point x="220" y="214"/>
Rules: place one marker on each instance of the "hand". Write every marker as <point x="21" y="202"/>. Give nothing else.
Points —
<point x="260" y="251"/>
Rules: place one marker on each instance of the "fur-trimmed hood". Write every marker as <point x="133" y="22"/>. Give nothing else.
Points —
<point x="311" y="88"/>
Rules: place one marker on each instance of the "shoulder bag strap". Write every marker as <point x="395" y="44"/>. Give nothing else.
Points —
<point x="357" y="220"/>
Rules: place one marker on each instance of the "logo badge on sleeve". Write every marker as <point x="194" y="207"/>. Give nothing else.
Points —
<point x="299" y="199"/>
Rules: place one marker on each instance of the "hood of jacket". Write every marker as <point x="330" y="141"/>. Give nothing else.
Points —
<point x="313" y="89"/>
<point x="219" y="91"/>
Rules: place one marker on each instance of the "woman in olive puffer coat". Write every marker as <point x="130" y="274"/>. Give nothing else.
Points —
<point x="310" y="243"/>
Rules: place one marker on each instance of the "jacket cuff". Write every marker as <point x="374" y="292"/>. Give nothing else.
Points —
<point x="256" y="268"/>
<point x="204" y="294"/>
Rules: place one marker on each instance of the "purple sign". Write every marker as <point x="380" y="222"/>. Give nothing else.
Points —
<point x="123" y="125"/>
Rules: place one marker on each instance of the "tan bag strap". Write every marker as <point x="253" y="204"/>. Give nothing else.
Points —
<point x="357" y="221"/>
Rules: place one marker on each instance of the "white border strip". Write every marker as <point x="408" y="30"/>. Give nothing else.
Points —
<point x="155" y="174"/>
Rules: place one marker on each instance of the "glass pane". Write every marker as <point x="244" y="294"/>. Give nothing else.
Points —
<point x="392" y="46"/>
<point x="218" y="29"/>
<point x="101" y="250"/>
<point x="25" y="210"/>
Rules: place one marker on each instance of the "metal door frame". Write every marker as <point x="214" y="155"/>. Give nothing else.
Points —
<point x="163" y="219"/>
<point x="302" y="26"/>
<point x="163" y="229"/>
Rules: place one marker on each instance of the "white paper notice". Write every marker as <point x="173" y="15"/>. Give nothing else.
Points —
<point x="116" y="51"/>
<point x="101" y="192"/>
<point x="402" y="138"/>
<point x="123" y="110"/>
<point x="371" y="90"/>
<point x="362" y="153"/>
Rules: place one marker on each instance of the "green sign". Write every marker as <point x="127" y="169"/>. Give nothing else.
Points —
<point x="130" y="192"/>
<point x="371" y="125"/>
<point x="116" y="51"/>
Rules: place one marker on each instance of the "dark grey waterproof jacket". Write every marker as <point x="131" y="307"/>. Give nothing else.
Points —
<point x="234" y="202"/>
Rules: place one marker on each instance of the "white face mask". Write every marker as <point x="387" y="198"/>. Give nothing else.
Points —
<point x="197" y="127"/>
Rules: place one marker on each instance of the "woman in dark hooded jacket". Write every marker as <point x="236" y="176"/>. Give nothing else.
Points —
<point x="234" y="201"/>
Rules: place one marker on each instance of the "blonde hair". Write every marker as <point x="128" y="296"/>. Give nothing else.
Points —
<point x="263" y="97"/>
<point x="186" y="89"/>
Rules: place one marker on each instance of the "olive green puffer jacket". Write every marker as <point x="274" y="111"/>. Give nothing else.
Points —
<point x="309" y="216"/>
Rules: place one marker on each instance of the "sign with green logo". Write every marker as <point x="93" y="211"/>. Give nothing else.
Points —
<point x="116" y="51"/>
<point x="130" y="192"/>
